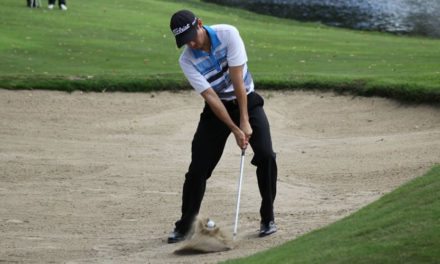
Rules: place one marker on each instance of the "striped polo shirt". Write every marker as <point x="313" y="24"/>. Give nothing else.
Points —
<point x="211" y="70"/>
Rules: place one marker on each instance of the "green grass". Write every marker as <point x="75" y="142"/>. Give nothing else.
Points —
<point x="401" y="227"/>
<point x="127" y="45"/>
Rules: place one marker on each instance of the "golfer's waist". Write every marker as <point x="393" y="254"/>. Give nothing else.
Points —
<point x="233" y="101"/>
<point x="230" y="102"/>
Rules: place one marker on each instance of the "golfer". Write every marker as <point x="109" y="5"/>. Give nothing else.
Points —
<point x="215" y="64"/>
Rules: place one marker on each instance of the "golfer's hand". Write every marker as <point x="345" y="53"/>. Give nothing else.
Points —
<point x="240" y="138"/>
<point x="247" y="130"/>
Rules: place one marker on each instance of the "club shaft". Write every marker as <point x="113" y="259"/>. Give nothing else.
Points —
<point x="240" y="181"/>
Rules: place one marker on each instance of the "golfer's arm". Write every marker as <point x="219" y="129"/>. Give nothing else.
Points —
<point x="219" y="109"/>
<point x="236" y="74"/>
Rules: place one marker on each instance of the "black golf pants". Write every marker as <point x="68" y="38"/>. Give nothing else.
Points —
<point x="60" y="2"/>
<point x="207" y="147"/>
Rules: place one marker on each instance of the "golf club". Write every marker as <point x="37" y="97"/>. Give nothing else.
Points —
<point x="240" y="180"/>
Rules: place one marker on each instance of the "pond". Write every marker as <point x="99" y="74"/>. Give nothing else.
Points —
<point x="415" y="17"/>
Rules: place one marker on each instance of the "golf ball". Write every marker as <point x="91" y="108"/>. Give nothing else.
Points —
<point x="210" y="224"/>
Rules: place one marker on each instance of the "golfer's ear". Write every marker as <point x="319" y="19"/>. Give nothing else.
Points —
<point x="199" y="22"/>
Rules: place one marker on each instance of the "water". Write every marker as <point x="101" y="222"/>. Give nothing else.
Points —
<point x="418" y="17"/>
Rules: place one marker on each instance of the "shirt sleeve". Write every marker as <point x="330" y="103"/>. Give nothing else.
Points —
<point x="236" y="51"/>
<point x="197" y="81"/>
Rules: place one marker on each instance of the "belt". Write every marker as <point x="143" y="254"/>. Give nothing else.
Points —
<point x="234" y="101"/>
<point x="230" y="102"/>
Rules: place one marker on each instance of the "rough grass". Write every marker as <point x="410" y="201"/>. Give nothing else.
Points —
<point x="127" y="45"/>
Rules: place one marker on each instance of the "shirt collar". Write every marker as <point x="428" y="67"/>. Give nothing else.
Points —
<point x="215" y="42"/>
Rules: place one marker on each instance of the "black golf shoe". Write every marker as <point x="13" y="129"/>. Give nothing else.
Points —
<point x="267" y="229"/>
<point x="175" y="237"/>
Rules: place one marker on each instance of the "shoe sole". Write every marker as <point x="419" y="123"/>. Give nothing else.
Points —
<point x="174" y="241"/>
<point x="267" y="233"/>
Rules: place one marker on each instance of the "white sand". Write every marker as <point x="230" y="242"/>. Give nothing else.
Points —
<point x="97" y="177"/>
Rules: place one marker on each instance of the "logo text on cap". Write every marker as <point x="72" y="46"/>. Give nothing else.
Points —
<point x="180" y="30"/>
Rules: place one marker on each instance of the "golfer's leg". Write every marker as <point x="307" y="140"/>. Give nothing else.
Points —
<point x="265" y="160"/>
<point x="207" y="147"/>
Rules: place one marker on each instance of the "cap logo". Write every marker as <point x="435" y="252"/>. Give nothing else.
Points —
<point x="180" y="30"/>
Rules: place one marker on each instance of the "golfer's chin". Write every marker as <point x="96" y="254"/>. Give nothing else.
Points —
<point x="196" y="47"/>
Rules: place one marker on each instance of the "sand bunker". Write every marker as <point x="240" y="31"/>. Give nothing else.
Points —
<point x="96" y="177"/>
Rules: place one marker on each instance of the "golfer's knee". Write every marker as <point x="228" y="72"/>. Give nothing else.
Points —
<point x="198" y="174"/>
<point x="264" y="157"/>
